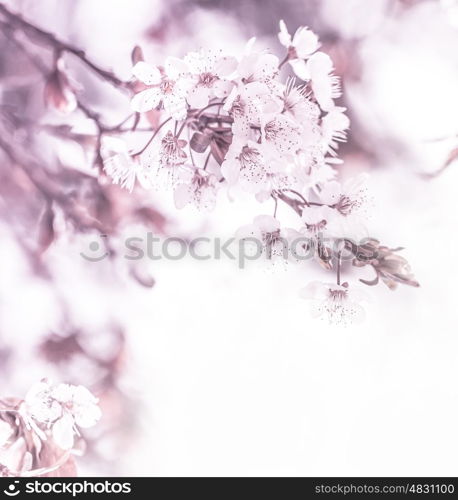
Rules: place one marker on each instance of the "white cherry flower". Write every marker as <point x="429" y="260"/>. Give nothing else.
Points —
<point x="168" y="86"/>
<point x="248" y="164"/>
<point x="300" y="47"/>
<point x="338" y="304"/>
<point x="266" y="231"/>
<point x="209" y="69"/>
<point x="165" y="161"/>
<point x="247" y="103"/>
<point x="348" y="198"/>
<point x="280" y="134"/>
<point x="258" y="67"/>
<point x="196" y="187"/>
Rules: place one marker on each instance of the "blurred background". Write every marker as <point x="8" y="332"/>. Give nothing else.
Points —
<point x="202" y="368"/>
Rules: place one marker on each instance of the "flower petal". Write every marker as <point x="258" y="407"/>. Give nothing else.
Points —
<point x="314" y="290"/>
<point x="175" y="105"/>
<point x="267" y="223"/>
<point x="182" y="195"/>
<point x="300" y="68"/>
<point x="149" y="75"/>
<point x="225" y="66"/>
<point x="146" y="100"/>
<point x="305" y="42"/>
<point x="230" y="169"/>
<point x="198" y="97"/>
<point x="62" y="432"/>
<point x="283" y="36"/>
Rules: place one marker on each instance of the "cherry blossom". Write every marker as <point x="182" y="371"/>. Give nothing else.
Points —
<point x="246" y="163"/>
<point x="265" y="230"/>
<point x="168" y="86"/>
<point x="196" y="187"/>
<point x="166" y="161"/>
<point x="258" y="67"/>
<point x="339" y="304"/>
<point x="347" y="198"/>
<point x="208" y="69"/>
<point x="301" y="46"/>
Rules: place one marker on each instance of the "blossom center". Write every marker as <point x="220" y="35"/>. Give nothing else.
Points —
<point x="338" y="295"/>
<point x="345" y="205"/>
<point x="206" y="79"/>
<point x="167" y="86"/>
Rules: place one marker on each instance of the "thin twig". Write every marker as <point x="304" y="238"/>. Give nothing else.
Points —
<point x="16" y="22"/>
<point x="152" y="138"/>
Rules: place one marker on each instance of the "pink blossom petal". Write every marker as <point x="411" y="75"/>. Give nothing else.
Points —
<point x="267" y="223"/>
<point x="283" y="36"/>
<point x="175" y="67"/>
<point x="230" y="169"/>
<point x="62" y="432"/>
<point x="314" y="290"/>
<point x="248" y="231"/>
<point x="222" y="88"/>
<point x="198" y="97"/>
<point x="305" y="42"/>
<point x="182" y="195"/>
<point x="176" y="106"/>
<point x="300" y="68"/>
<point x="225" y="66"/>
<point x="146" y="100"/>
<point x="149" y="75"/>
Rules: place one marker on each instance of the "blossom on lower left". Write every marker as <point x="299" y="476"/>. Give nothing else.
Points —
<point x="38" y="434"/>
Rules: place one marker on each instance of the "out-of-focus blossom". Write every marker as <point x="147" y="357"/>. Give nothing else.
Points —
<point x="62" y="408"/>
<point x="123" y="168"/>
<point x="59" y="91"/>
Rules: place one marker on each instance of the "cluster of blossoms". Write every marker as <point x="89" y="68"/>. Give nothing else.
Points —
<point x="231" y="123"/>
<point x="37" y="434"/>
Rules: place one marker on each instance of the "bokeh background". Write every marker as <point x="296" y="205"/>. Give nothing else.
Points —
<point x="202" y="368"/>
